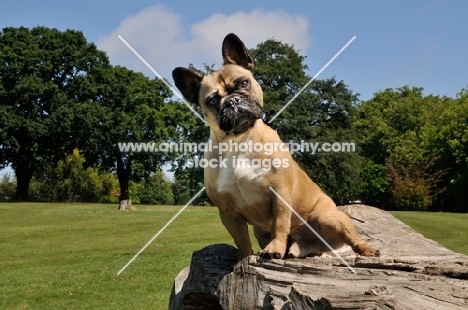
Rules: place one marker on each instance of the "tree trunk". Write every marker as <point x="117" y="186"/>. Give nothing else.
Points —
<point x="412" y="273"/>
<point x="23" y="175"/>
<point x="123" y="175"/>
<point x="125" y="205"/>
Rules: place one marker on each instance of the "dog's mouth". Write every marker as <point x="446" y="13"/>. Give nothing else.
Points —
<point x="238" y="113"/>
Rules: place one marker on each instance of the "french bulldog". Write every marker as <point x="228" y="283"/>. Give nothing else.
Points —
<point x="240" y="186"/>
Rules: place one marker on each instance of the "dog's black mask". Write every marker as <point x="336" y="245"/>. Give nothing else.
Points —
<point x="238" y="113"/>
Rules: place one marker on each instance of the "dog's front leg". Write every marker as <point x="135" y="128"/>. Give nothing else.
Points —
<point x="238" y="228"/>
<point x="280" y="228"/>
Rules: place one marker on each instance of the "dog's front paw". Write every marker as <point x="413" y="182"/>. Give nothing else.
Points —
<point x="275" y="249"/>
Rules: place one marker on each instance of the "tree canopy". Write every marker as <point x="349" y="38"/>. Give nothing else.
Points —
<point x="419" y="143"/>
<point x="49" y="81"/>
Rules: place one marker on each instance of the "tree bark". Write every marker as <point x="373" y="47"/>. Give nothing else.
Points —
<point x="412" y="273"/>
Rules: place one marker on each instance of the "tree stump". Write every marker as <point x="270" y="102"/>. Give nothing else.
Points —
<point x="125" y="205"/>
<point x="412" y="272"/>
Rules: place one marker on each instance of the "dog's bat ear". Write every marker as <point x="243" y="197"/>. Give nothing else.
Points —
<point x="235" y="52"/>
<point x="188" y="82"/>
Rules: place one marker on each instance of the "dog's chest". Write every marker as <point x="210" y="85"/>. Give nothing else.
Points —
<point x="242" y="176"/>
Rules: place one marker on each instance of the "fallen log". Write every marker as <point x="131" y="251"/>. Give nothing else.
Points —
<point x="412" y="272"/>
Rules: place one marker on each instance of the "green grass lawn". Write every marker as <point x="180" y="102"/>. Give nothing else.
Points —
<point x="66" y="256"/>
<point x="449" y="229"/>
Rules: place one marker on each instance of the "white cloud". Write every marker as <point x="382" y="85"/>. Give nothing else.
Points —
<point x="253" y="28"/>
<point x="165" y="42"/>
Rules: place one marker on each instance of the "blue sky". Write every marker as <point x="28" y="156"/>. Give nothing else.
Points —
<point x="416" y="43"/>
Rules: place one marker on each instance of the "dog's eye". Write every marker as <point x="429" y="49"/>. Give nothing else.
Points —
<point x="244" y="83"/>
<point x="213" y="101"/>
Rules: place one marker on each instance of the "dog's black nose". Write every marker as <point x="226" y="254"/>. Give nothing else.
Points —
<point x="233" y="101"/>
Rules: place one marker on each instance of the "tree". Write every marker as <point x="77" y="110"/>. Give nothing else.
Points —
<point x="136" y="109"/>
<point x="410" y="135"/>
<point x="48" y="88"/>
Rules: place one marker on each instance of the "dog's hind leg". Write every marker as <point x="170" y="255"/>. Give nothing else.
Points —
<point x="336" y="227"/>
<point x="352" y="238"/>
<point x="333" y="226"/>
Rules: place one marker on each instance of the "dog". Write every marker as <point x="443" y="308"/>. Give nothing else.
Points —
<point x="232" y="104"/>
